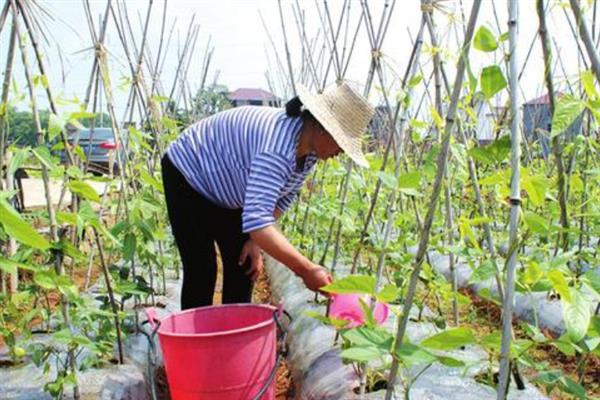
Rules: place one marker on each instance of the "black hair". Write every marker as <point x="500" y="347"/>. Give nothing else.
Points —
<point x="293" y="108"/>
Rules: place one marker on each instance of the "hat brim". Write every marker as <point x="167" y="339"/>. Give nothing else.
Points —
<point x="319" y="108"/>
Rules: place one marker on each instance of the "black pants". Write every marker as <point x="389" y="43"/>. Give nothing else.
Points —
<point x="197" y="224"/>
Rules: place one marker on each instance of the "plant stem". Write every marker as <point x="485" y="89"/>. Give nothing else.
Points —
<point x="441" y="169"/>
<point x="515" y="200"/>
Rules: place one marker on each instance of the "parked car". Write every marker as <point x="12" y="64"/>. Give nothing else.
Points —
<point x="100" y="147"/>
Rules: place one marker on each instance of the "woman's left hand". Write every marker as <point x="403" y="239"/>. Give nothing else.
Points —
<point x="252" y="250"/>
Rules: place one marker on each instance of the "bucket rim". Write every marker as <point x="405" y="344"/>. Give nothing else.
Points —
<point x="220" y="333"/>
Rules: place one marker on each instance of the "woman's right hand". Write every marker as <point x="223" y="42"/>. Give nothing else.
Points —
<point x="315" y="277"/>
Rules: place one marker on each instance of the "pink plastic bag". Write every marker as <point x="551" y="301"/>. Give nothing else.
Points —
<point x="347" y="307"/>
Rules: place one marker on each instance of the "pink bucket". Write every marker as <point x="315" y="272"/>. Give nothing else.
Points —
<point x="223" y="352"/>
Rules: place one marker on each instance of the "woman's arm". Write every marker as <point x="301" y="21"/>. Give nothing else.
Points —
<point x="277" y="246"/>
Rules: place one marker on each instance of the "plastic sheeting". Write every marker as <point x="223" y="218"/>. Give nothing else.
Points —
<point x="319" y="372"/>
<point x="112" y="382"/>
<point x="536" y="308"/>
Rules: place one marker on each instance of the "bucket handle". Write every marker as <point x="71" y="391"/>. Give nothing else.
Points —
<point x="281" y="347"/>
<point x="154" y="323"/>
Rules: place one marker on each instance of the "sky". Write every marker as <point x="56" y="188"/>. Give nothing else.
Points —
<point x="243" y="51"/>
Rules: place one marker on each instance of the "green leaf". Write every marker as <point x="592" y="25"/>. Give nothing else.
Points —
<point x="411" y="354"/>
<point x="565" y="347"/>
<point x="55" y="126"/>
<point x="493" y="153"/>
<point x="66" y="218"/>
<point x="7" y="265"/>
<point x="44" y="157"/>
<point x="559" y="284"/>
<point x="450" y="362"/>
<point x="150" y="180"/>
<point x="335" y="322"/>
<point x="389" y="293"/>
<point x="352" y="284"/>
<point x="484" y="272"/>
<point x="536" y="223"/>
<point x="592" y="279"/>
<point x="69" y="249"/>
<point x="592" y="343"/>
<point x="44" y="279"/>
<point x="568" y="108"/>
<point x="587" y="80"/>
<point x="437" y="118"/>
<point x="84" y="190"/>
<point x="410" y="180"/>
<point x="363" y="354"/>
<point x="388" y="179"/>
<point x="449" y="339"/>
<point x="415" y="80"/>
<point x="533" y="273"/>
<point x="536" y="187"/>
<point x="129" y="244"/>
<point x="577" y="315"/>
<point x="464" y="227"/>
<point x="18" y="159"/>
<point x="574" y="388"/>
<point x="16" y="227"/>
<point x="364" y="336"/>
<point x="492" y="81"/>
<point x="484" y="40"/>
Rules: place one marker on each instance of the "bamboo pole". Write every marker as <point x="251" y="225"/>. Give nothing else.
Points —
<point x="441" y="168"/>
<point x="42" y="69"/>
<point x="515" y="200"/>
<point x="592" y="51"/>
<point x="556" y="144"/>
<point x="428" y="16"/>
<point x="4" y="14"/>
<point x="287" y="51"/>
<point x="58" y="262"/>
<point x="11" y="244"/>
<point x="111" y="296"/>
<point x="410" y="72"/>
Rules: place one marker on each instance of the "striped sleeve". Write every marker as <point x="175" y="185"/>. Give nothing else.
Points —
<point x="268" y="174"/>
<point x="286" y="201"/>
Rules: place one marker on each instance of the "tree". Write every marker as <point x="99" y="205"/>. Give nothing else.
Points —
<point x="21" y="128"/>
<point x="210" y="101"/>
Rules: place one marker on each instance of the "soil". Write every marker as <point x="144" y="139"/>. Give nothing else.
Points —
<point x="482" y="315"/>
<point x="284" y="388"/>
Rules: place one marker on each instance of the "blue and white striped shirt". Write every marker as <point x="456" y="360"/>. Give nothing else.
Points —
<point x="244" y="158"/>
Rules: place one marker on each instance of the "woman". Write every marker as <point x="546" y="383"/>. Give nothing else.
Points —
<point x="230" y="176"/>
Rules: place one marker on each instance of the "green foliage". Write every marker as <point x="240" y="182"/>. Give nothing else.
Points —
<point x="484" y="40"/>
<point x="492" y="81"/>
<point x="493" y="153"/>
<point x="449" y="339"/>
<point x="362" y="284"/>
<point x="568" y="108"/>
<point x="210" y="101"/>
<point x="576" y="314"/>
<point x="19" y="229"/>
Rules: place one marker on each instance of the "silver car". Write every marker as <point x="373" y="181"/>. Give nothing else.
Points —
<point x="100" y="147"/>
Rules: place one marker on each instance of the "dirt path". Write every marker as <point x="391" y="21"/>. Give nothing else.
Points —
<point x="284" y="388"/>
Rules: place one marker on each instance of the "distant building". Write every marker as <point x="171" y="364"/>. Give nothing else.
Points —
<point x="537" y="122"/>
<point x="379" y="126"/>
<point x="484" y="132"/>
<point x="253" y="97"/>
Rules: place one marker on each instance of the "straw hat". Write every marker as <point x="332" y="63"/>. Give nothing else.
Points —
<point x="344" y="113"/>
